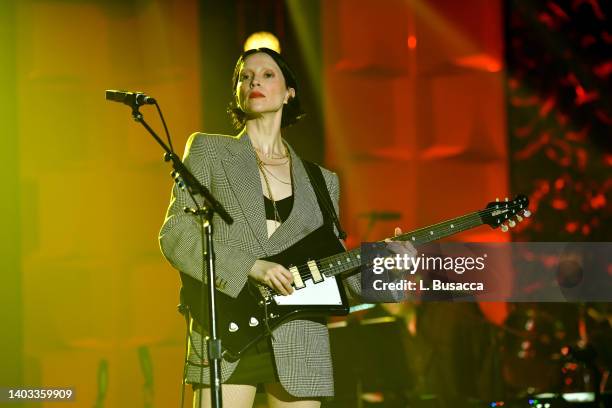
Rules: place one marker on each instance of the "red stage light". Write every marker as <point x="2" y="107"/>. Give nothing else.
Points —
<point x="411" y="42"/>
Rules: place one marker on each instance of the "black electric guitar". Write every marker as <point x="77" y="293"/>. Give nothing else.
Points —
<point x="315" y="262"/>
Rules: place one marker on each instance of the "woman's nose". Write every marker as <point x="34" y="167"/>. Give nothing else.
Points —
<point x="254" y="82"/>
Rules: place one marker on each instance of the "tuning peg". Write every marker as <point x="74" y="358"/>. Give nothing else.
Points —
<point x="527" y="213"/>
<point x="519" y="218"/>
<point x="512" y="224"/>
<point x="504" y="228"/>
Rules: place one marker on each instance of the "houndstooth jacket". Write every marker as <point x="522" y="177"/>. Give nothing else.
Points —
<point x="228" y="167"/>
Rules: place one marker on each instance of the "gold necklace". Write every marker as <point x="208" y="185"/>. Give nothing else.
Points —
<point x="276" y="178"/>
<point x="272" y="164"/>
<point x="272" y="156"/>
<point x="276" y="216"/>
<point x="262" y="170"/>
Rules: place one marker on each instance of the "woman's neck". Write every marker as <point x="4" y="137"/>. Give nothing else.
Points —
<point x="265" y="136"/>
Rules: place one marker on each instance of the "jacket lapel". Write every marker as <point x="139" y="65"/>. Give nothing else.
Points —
<point x="243" y="175"/>
<point x="303" y="215"/>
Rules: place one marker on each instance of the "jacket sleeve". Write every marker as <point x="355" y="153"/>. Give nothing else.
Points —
<point x="353" y="282"/>
<point x="180" y="235"/>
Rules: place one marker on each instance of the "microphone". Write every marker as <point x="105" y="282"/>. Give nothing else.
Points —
<point x="129" y="98"/>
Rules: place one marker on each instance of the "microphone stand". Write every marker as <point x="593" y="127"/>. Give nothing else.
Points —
<point x="204" y="214"/>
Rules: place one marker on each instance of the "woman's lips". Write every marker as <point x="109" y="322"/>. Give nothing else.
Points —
<point x="256" y="95"/>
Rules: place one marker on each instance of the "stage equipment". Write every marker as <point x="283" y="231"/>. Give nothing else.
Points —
<point x="187" y="181"/>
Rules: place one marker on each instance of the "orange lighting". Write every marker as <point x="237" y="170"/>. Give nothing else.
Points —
<point x="412" y="42"/>
<point x="481" y="62"/>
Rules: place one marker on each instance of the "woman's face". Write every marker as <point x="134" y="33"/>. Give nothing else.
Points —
<point x="261" y="86"/>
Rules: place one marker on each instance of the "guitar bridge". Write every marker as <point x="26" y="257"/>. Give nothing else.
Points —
<point x="266" y="293"/>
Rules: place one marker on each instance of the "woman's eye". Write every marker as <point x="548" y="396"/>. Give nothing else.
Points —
<point x="244" y="77"/>
<point x="268" y="75"/>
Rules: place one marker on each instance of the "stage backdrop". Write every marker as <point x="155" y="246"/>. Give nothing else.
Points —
<point x="95" y="189"/>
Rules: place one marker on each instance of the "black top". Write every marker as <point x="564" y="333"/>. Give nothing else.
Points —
<point x="282" y="206"/>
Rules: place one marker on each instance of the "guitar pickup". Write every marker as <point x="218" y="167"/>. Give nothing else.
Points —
<point x="297" y="278"/>
<point x="314" y="271"/>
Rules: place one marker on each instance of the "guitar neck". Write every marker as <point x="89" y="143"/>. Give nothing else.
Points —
<point x="346" y="261"/>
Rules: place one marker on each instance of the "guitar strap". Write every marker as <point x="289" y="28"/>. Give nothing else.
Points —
<point x="320" y="187"/>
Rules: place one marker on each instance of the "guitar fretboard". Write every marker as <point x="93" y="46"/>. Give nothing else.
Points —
<point x="346" y="261"/>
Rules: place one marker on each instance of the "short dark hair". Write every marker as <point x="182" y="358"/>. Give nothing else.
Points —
<point x="292" y="111"/>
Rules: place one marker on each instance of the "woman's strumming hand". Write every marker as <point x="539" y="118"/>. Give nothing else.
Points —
<point x="273" y="275"/>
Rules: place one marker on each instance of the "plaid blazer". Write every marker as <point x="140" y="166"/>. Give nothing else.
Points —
<point x="228" y="167"/>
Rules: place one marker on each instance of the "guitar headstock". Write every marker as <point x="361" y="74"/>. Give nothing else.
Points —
<point x="505" y="213"/>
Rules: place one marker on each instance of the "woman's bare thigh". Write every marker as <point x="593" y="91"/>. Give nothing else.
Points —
<point x="279" y="398"/>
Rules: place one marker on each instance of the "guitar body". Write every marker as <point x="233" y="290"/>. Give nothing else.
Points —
<point x="244" y="320"/>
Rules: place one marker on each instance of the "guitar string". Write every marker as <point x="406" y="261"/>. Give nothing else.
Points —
<point x="460" y="224"/>
<point x="353" y="261"/>
<point x="344" y="266"/>
<point x="503" y="206"/>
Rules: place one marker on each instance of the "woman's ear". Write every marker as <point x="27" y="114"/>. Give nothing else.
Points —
<point x="290" y="95"/>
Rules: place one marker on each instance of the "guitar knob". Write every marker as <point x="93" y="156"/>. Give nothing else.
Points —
<point x="519" y="218"/>
<point x="233" y="327"/>
<point x="506" y="199"/>
<point x="504" y="228"/>
<point x="527" y="213"/>
<point x="253" y="322"/>
<point x="497" y="199"/>
<point x="512" y="224"/>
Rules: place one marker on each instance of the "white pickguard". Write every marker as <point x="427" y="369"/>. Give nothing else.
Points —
<point x="314" y="294"/>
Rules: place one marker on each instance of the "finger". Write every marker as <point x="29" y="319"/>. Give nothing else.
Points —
<point x="396" y="247"/>
<point x="411" y="248"/>
<point x="286" y="284"/>
<point x="398" y="231"/>
<point x="288" y="275"/>
<point x="408" y="247"/>
<point x="282" y="279"/>
<point x="278" y="286"/>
